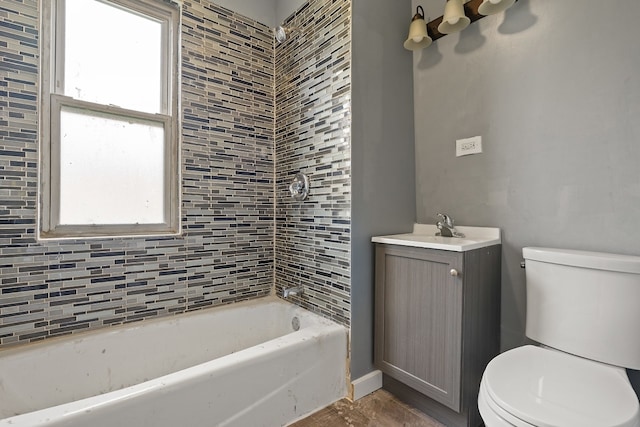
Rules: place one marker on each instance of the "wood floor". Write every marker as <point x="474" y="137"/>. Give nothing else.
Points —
<point x="379" y="409"/>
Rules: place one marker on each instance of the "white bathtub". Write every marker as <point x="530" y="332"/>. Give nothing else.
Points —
<point x="238" y="365"/>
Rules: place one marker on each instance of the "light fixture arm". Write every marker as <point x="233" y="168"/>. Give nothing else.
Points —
<point x="418" y="15"/>
<point x="471" y="11"/>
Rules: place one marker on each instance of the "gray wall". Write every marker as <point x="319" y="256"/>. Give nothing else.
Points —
<point x="382" y="153"/>
<point x="553" y="87"/>
<point x="284" y="8"/>
<point x="263" y="11"/>
<point x="268" y="12"/>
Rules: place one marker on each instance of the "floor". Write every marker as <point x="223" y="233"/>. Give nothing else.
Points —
<point x="379" y="409"/>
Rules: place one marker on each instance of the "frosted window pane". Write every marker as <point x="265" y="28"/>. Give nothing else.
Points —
<point x="111" y="170"/>
<point x="112" y="56"/>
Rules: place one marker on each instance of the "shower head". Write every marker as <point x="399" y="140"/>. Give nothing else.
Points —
<point x="281" y="33"/>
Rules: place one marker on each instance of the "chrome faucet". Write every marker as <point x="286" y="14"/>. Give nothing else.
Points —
<point x="292" y="292"/>
<point x="445" y="225"/>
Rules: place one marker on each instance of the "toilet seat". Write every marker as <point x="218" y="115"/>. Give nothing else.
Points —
<point x="493" y="415"/>
<point x="547" y="388"/>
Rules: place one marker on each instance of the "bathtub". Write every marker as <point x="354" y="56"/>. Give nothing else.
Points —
<point x="237" y="365"/>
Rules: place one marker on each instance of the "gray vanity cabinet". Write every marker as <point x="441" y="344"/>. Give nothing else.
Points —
<point x="437" y="324"/>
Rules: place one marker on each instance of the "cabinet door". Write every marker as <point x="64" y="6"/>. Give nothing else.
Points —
<point x="419" y="320"/>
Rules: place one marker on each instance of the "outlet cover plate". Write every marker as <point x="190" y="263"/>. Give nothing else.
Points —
<point x="468" y="146"/>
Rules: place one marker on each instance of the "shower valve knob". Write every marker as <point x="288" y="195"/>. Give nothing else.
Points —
<point x="299" y="188"/>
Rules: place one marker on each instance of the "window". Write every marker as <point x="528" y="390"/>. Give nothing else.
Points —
<point x="109" y="121"/>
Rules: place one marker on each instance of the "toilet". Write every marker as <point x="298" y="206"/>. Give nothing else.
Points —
<point x="583" y="308"/>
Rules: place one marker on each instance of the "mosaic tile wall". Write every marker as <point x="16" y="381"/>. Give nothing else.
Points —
<point x="313" y="110"/>
<point x="225" y="253"/>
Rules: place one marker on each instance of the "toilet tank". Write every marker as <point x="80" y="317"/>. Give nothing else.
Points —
<point x="585" y="303"/>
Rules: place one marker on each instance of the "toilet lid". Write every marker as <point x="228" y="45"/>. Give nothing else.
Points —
<point x="548" y="388"/>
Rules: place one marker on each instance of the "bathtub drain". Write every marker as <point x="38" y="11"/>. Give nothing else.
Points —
<point x="295" y="323"/>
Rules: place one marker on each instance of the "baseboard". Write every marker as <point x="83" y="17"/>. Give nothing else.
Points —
<point x="366" y="384"/>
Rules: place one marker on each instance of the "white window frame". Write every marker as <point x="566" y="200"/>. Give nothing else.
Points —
<point x="53" y="100"/>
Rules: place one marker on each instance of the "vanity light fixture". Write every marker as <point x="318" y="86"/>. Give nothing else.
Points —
<point x="454" y="18"/>
<point x="418" y="35"/>
<point x="491" y="7"/>
<point x="458" y="14"/>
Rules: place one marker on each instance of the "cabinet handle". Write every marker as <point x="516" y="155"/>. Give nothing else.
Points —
<point x="454" y="272"/>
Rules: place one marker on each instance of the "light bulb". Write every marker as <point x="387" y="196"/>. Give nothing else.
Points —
<point x="495" y="1"/>
<point x="417" y="39"/>
<point x="454" y="20"/>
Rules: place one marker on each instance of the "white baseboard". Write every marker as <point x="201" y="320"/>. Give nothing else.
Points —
<point x="366" y="384"/>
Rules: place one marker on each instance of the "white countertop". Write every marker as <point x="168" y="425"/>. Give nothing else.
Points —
<point x="424" y="236"/>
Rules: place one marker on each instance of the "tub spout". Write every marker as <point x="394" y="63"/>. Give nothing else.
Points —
<point x="290" y="292"/>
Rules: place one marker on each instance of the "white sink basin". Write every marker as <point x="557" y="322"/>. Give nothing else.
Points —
<point x="423" y="236"/>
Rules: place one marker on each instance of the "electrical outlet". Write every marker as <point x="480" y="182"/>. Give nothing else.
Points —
<point x="468" y="146"/>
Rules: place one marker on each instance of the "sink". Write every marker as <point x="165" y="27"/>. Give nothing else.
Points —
<point x="424" y="236"/>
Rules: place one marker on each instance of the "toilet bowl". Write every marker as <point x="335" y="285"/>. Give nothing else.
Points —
<point x="582" y="309"/>
<point x="535" y="386"/>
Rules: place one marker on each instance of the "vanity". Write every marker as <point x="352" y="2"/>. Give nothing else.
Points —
<point x="437" y="317"/>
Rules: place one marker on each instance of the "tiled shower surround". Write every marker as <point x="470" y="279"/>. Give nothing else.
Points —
<point x="313" y="110"/>
<point x="226" y="250"/>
